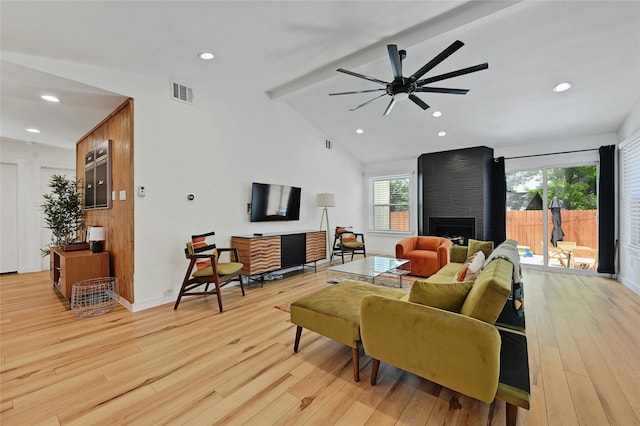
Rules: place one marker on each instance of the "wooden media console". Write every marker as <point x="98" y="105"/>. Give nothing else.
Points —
<point x="266" y="253"/>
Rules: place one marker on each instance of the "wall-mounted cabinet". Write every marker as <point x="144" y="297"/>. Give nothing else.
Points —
<point x="97" y="177"/>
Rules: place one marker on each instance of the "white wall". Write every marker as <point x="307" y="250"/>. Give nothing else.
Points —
<point x="629" y="258"/>
<point x="232" y="135"/>
<point x="631" y="124"/>
<point x="590" y="143"/>
<point x="214" y="149"/>
<point x="31" y="162"/>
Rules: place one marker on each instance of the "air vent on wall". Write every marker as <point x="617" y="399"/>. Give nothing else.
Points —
<point x="180" y="92"/>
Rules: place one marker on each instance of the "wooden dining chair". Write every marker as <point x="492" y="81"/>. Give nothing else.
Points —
<point x="204" y="257"/>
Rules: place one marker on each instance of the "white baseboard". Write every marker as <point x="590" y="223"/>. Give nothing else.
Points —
<point x="635" y="287"/>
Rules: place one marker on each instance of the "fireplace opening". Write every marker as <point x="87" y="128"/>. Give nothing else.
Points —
<point x="457" y="229"/>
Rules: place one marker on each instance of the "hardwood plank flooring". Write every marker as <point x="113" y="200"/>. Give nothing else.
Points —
<point x="197" y="366"/>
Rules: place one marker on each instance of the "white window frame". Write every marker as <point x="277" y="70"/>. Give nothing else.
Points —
<point x="630" y="192"/>
<point x="372" y="205"/>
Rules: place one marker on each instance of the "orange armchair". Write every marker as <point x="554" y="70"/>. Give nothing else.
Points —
<point x="427" y="254"/>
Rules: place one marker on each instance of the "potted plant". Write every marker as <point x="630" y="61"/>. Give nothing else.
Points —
<point x="63" y="213"/>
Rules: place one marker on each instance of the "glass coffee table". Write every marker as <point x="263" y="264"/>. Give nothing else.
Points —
<point x="371" y="269"/>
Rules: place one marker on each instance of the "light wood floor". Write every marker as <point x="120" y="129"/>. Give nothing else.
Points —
<point x="196" y="366"/>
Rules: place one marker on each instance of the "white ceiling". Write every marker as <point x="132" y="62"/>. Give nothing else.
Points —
<point x="290" y="50"/>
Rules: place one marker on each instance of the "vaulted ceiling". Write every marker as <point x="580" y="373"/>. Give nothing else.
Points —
<point x="291" y="50"/>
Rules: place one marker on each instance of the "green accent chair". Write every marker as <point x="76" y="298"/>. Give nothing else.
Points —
<point x="347" y="242"/>
<point x="203" y="256"/>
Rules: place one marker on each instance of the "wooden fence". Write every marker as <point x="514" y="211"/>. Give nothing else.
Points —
<point x="578" y="225"/>
<point x="399" y="221"/>
<point x="526" y="227"/>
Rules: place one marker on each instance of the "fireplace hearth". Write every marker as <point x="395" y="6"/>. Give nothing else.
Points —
<point x="457" y="229"/>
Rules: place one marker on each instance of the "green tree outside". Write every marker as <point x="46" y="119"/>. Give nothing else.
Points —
<point x="399" y="195"/>
<point x="575" y="187"/>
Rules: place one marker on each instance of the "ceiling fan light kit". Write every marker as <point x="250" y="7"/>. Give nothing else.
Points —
<point x="402" y="88"/>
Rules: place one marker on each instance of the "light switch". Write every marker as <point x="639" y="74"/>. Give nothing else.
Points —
<point x="123" y="195"/>
<point x="113" y="195"/>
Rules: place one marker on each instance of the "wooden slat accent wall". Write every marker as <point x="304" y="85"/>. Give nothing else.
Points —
<point x="119" y="219"/>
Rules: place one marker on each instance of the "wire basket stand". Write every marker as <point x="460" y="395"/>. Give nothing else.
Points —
<point x="97" y="296"/>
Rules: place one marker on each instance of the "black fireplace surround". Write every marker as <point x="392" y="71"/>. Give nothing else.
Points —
<point x="456" y="193"/>
<point x="457" y="229"/>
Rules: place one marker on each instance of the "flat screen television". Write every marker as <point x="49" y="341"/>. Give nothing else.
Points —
<point x="274" y="202"/>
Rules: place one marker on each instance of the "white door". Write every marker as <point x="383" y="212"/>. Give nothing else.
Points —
<point x="9" y="218"/>
<point x="45" y="176"/>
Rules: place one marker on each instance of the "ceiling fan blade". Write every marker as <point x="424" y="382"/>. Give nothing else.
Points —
<point x="355" y="74"/>
<point x="396" y="63"/>
<point x="453" y="74"/>
<point x="389" y="107"/>
<point x="369" y="101"/>
<point x="435" y="61"/>
<point x="442" y="90"/>
<point x="416" y="100"/>
<point x="359" y="91"/>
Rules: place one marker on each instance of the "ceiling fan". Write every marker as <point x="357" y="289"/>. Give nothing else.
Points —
<point x="402" y="88"/>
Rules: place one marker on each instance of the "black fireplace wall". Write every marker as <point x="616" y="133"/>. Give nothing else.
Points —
<point x="457" y="183"/>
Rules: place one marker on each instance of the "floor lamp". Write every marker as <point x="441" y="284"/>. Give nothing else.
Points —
<point x="325" y="200"/>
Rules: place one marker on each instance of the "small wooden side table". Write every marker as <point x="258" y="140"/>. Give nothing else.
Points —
<point x="69" y="267"/>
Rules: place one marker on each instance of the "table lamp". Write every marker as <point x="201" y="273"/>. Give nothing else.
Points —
<point x="96" y="238"/>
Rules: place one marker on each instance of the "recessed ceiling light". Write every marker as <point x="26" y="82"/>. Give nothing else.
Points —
<point x="359" y="131"/>
<point x="562" y="87"/>
<point x="442" y="133"/>
<point x="206" y="56"/>
<point x="32" y="130"/>
<point x="50" y="98"/>
<point x="436" y="113"/>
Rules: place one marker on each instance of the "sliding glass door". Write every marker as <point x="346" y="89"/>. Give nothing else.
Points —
<point x="552" y="213"/>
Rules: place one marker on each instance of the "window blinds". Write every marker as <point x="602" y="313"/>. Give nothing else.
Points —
<point x="630" y="192"/>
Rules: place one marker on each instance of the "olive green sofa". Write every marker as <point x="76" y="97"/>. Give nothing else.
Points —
<point x="446" y="331"/>
<point x="452" y="333"/>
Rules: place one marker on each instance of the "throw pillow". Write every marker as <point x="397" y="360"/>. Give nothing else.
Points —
<point x="349" y="238"/>
<point x="473" y="246"/>
<point x="471" y="269"/>
<point x="477" y="263"/>
<point x="462" y="275"/>
<point x="449" y="297"/>
<point x="201" y="244"/>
